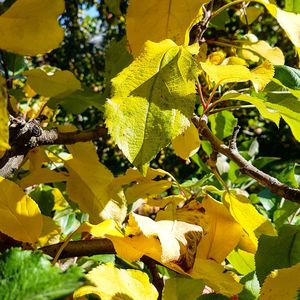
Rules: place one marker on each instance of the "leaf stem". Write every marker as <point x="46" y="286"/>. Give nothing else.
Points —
<point x="224" y="7"/>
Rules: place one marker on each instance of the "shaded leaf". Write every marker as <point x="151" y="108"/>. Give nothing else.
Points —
<point x="288" y="76"/>
<point x="242" y="261"/>
<point x="214" y="276"/>
<point x="152" y="101"/>
<point x="187" y="144"/>
<point x="77" y="101"/>
<point x="251" y="288"/>
<point x="23" y="27"/>
<point x="20" y="215"/>
<point x="179" y="288"/>
<point x="30" y="275"/>
<point x="52" y="84"/>
<point x="277" y="252"/>
<point x="281" y="284"/>
<point x="113" y="283"/>
<point x="222" y="124"/>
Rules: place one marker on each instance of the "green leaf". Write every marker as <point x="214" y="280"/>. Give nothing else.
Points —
<point x="277" y="252"/>
<point x="251" y="287"/>
<point x="43" y="196"/>
<point x="152" y="101"/>
<point x="277" y="105"/>
<point x="282" y="214"/>
<point x="180" y="288"/>
<point x="15" y="63"/>
<point x="222" y="124"/>
<point x="30" y="275"/>
<point x="242" y="261"/>
<point x="117" y="58"/>
<point x="77" y="101"/>
<point x="292" y="6"/>
<point x="52" y="84"/>
<point x="288" y="76"/>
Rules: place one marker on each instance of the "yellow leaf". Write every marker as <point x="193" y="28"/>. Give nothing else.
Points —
<point x="187" y="144"/>
<point x="146" y="189"/>
<point x="234" y="60"/>
<point x="262" y="75"/>
<point x="30" y="27"/>
<point x="250" y="14"/>
<point x="216" y="58"/>
<point x="3" y="117"/>
<point x="60" y="202"/>
<point x="89" y="185"/>
<point x="50" y="233"/>
<point x="165" y="241"/>
<point x="272" y="54"/>
<point x="113" y="283"/>
<point x="242" y="261"/>
<point x="213" y="275"/>
<point x="226" y="73"/>
<point x="281" y="284"/>
<point x="247" y="216"/>
<point x="107" y="227"/>
<point x="52" y="84"/>
<point x="289" y="21"/>
<point x="20" y="215"/>
<point x="161" y="20"/>
<point x="134" y="247"/>
<point x="221" y="232"/>
<point x="38" y="173"/>
<point x="163" y="202"/>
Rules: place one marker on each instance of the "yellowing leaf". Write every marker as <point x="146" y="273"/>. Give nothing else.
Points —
<point x="153" y="99"/>
<point x="3" y="117"/>
<point x="146" y="189"/>
<point x="89" y="185"/>
<point x="20" y="215"/>
<point x="165" y="241"/>
<point x="247" y="216"/>
<point x="250" y="14"/>
<point x="170" y="233"/>
<point x="242" y="261"/>
<point x="221" y="232"/>
<point x="187" y="144"/>
<point x="50" y="232"/>
<point x="107" y="227"/>
<point x="289" y="21"/>
<point x="113" y="283"/>
<point x="30" y="27"/>
<point x="52" y="84"/>
<point x="173" y="200"/>
<point x="281" y="284"/>
<point x="161" y="20"/>
<point x="262" y="75"/>
<point x="272" y="54"/>
<point x="213" y="275"/>
<point x="216" y="58"/>
<point x="226" y="73"/>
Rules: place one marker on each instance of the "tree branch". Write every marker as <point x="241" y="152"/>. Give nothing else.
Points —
<point x="81" y="248"/>
<point x="231" y="151"/>
<point x="25" y="136"/>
